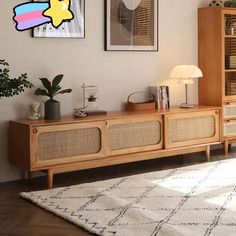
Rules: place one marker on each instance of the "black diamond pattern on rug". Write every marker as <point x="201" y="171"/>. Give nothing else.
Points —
<point x="195" y="200"/>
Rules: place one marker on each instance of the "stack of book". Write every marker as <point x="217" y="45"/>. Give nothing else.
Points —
<point x="230" y="87"/>
<point x="161" y="94"/>
<point x="230" y="62"/>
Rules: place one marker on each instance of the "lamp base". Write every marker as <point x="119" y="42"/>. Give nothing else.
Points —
<point x="186" y="105"/>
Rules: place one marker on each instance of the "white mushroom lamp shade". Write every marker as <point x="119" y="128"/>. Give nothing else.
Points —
<point x="186" y="74"/>
<point x="131" y="4"/>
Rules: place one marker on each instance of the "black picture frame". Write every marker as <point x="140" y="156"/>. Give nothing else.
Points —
<point x="131" y="29"/>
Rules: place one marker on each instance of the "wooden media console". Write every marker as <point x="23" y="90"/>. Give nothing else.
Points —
<point x="70" y="144"/>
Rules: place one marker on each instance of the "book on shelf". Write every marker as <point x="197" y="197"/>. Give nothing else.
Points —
<point x="154" y="90"/>
<point x="165" y="98"/>
<point x="161" y="94"/>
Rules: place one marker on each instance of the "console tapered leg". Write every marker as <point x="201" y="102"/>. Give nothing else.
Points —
<point x="50" y="178"/>
<point x="30" y="175"/>
<point x="226" y="147"/>
<point x="22" y="174"/>
<point x="208" y="152"/>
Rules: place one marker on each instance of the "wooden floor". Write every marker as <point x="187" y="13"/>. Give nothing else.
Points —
<point x="19" y="217"/>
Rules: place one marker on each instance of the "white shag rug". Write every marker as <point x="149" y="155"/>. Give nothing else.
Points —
<point x="194" y="200"/>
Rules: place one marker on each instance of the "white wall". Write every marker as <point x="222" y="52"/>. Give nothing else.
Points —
<point x="116" y="73"/>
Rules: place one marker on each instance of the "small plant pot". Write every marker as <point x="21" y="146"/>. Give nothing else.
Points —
<point x="52" y="110"/>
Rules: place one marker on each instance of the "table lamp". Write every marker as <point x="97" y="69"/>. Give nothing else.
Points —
<point x="186" y="74"/>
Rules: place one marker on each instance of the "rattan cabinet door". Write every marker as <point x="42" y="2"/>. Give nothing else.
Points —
<point x="134" y="135"/>
<point x="186" y="129"/>
<point x="67" y="143"/>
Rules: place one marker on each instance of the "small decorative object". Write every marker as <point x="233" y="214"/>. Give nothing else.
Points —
<point x="90" y="106"/>
<point x="186" y="74"/>
<point x="230" y="3"/>
<point x="34" y="111"/>
<point x="52" y="107"/>
<point x="79" y="112"/>
<point x="92" y="103"/>
<point x="131" y="25"/>
<point x="90" y="97"/>
<point x="71" y="29"/>
<point x="216" y="3"/>
<point x="141" y="106"/>
<point x="11" y="87"/>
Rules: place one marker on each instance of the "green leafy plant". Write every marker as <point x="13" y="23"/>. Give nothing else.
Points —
<point x="11" y="87"/>
<point x="51" y="88"/>
<point x="230" y="3"/>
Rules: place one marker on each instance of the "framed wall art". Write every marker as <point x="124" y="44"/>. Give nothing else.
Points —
<point x="71" y="29"/>
<point x="131" y="25"/>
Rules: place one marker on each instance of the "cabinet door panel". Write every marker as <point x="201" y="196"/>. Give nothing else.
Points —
<point x="191" y="128"/>
<point x="67" y="143"/>
<point x="134" y="135"/>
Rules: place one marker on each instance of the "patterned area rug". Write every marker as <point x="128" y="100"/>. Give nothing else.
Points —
<point x="193" y="200"/>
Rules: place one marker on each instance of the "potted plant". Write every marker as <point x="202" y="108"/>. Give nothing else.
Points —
<point x="230" y="3"/>
<point x="11" y="87"/>
<point x="52" y="107"/>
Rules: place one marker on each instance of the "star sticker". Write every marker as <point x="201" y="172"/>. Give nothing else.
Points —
<point x="59" y="11"/>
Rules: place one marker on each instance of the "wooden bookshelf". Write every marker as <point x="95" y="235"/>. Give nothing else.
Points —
<point x="217" y="59"/>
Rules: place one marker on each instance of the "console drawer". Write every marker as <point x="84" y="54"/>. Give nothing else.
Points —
<point x="230" y="128"/>
<point x="230" y="110"/>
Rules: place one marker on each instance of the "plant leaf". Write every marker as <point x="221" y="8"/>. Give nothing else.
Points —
<point x="56" y="81"/>
<point x="41" y="92"/>
<point x="64" y="91"/>
<point x="46" y="83"/>
<point x="55" y="90"/>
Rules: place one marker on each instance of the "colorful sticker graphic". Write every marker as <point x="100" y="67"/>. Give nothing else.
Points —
<point x="30" y="15"/>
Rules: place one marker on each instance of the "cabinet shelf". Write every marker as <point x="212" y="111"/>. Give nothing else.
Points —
<point x="231" y="98"/>
<point x="230" y="70"/>
<point x="230" y="36"/>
